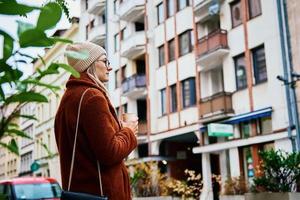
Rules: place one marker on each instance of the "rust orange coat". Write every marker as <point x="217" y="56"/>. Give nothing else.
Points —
<point x="100" y="137"/>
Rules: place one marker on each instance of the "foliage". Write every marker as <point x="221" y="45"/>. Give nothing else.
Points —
<point x="147" y="180"/>
<point x="278" y="171"/>
<point x="235" y="186"/>
<point x="186" y="189"/>
<point x="11" y="77"/>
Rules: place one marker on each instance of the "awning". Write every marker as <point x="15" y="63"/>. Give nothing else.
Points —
<point x="264" y="112"/>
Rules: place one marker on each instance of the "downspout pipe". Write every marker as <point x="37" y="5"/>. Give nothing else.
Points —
<point x="287" y="69"/>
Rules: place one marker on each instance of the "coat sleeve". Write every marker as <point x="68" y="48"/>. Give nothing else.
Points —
<point x="109" y="146"/>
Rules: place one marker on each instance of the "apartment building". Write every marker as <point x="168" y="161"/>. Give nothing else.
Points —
<point x="201" y="76"/>
<point x="26" y="146"/>
<point x="45" y="112"/>
<point x="9" y="161"/>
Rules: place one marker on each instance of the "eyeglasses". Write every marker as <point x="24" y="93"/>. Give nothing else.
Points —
<point x="106" y="62"/>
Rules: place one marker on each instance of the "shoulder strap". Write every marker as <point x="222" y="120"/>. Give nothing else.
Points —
<point x="74" y="148"/>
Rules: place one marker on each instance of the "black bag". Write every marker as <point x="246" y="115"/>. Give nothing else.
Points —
<point x="65" y="195"/>
<point x="68" y="195"/>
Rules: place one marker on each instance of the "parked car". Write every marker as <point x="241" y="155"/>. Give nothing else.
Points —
<point x="30" y="188"/>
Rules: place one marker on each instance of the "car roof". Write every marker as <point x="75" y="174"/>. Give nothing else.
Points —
<point x="28" y="180"/>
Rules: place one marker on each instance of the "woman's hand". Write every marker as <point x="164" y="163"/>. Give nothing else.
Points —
<point x="133" y="125"/>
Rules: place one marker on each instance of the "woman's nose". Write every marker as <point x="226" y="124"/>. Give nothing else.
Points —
<point x="109" y="68"/>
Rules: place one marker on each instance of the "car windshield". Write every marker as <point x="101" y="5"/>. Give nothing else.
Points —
<point x="37" y="191"/>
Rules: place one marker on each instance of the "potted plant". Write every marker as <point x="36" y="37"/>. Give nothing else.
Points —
<point x="277" y="176"/>
<point x="234" y="189"/>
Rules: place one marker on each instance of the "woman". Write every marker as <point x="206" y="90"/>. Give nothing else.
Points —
<point x="100" y="136"/>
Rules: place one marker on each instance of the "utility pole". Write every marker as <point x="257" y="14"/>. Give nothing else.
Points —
<point x="290" y="77"/>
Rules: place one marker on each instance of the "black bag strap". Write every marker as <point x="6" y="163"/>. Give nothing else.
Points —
<point x="74" y="148"/>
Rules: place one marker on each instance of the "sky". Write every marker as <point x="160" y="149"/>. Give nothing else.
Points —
<point x="8" y="24"/>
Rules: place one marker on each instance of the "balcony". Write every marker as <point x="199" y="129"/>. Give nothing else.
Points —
<point x="134" y="45"/>
<point x="212" y="48"/>
<point x="96" y="7"/>
<point x="204" y="9"/>
<point x="97" y="34"/>
<point x="216" y="107"/>
<point x="134" y="87"/>
<point x="131" y="10"/>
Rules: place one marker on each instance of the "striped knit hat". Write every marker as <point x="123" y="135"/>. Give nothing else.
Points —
<point x="94" y="52"/>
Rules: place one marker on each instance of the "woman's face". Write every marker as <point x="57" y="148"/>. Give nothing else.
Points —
<point x="102" y="68"/>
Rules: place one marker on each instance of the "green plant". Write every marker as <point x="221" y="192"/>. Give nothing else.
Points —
<point x="278" y="171"/>
<point x="190" y="188"/>
<point x="14" y="54"/>
<point x="235" y="186"/>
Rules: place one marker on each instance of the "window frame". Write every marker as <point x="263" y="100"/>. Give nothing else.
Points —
<point x="251" y="15"/>
<point x="161" y="58"/>
<point x="190" y="41"/>
<point x="173" y="98"/>
<point x="186" y="5"/>
<point x="255" y="64"/>
<point x="163" y="101"/>
<point x="232" y="4"/>
<point x="172" y="41"/>
<point x="160" y="19"/>
<point x="168" y="8"/>
<point x="235" y="67"/>
<point x="192" y="92"/>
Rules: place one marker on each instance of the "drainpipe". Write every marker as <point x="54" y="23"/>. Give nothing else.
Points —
<point x="288" y="79"/>
<point x="106" y="24"/>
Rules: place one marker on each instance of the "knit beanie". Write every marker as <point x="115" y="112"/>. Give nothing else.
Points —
<point x="94" y="52"/>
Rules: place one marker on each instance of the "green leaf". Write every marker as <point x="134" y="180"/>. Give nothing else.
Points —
<point x="64" y="40"/>
<point x="49" y="16"/>
<point x="27" y="117"/>
<point x="14" y="8"/>
<point x="34" y="38"/>
<point x="81" y="55"/>
<point x="8" y="45"/>
<point x="26" y="97"/>
<point x="69" y="69"/>
<point x="16" y="132"/>
<point x="2" y="95"/>
<point x="36" y="82"/>
<point x="23" y="26"/>
<point x="11" y="75"/>
<point x="12" y="146"/>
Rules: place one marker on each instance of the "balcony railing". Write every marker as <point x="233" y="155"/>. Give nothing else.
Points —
<point x="131" y="10"/>
<point x="97" y="34"/>
<point x="134" y="86"/>
<point x="212" y="48"/>
<point x="96" y="7"/>
<point x="134" y="45"/>
<point x="216" y="106"/>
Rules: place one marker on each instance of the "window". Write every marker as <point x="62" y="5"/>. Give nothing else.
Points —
<point x="123" y="73"/>
<point x="264" y="125"/>
<point x="254" y="8"/>
<point x="86" y="32"/>
<point x="170" y="8"/>
<point x="161" y="55"/>
<point x="117" y="80"/>
<point x="240" y="72"/>
<point x="259" y="64"/>
<point x="163" y="101"/>
<point x="245" y="129"/>
<point x="160" y="13"/>
<point x="188" y="92"/>
<point x="92" y="23"/>
<point x="86" y="4"/>
<point x="171" y="48"/>
<point x="236" y="13"/>
<point x="122" y="34"/>
<point x="125" y="108"/>
<point x="173" y="99"/>
<point x="185" y="43"/>
<point x="103" y="19"/>
<point x="182" y="4"/>
<point x="139" y="26"/>
<point x="116" y="42"/>
<point x="115" y="6"/>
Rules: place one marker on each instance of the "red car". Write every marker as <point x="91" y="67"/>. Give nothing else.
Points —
<point x="30" y="188"/>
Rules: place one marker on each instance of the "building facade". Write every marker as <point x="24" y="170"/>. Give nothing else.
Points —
<point x="184" y="66"/>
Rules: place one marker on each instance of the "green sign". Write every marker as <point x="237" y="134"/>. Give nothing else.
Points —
<point x="220" y="130"/>
<point x="35" y="166"/>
